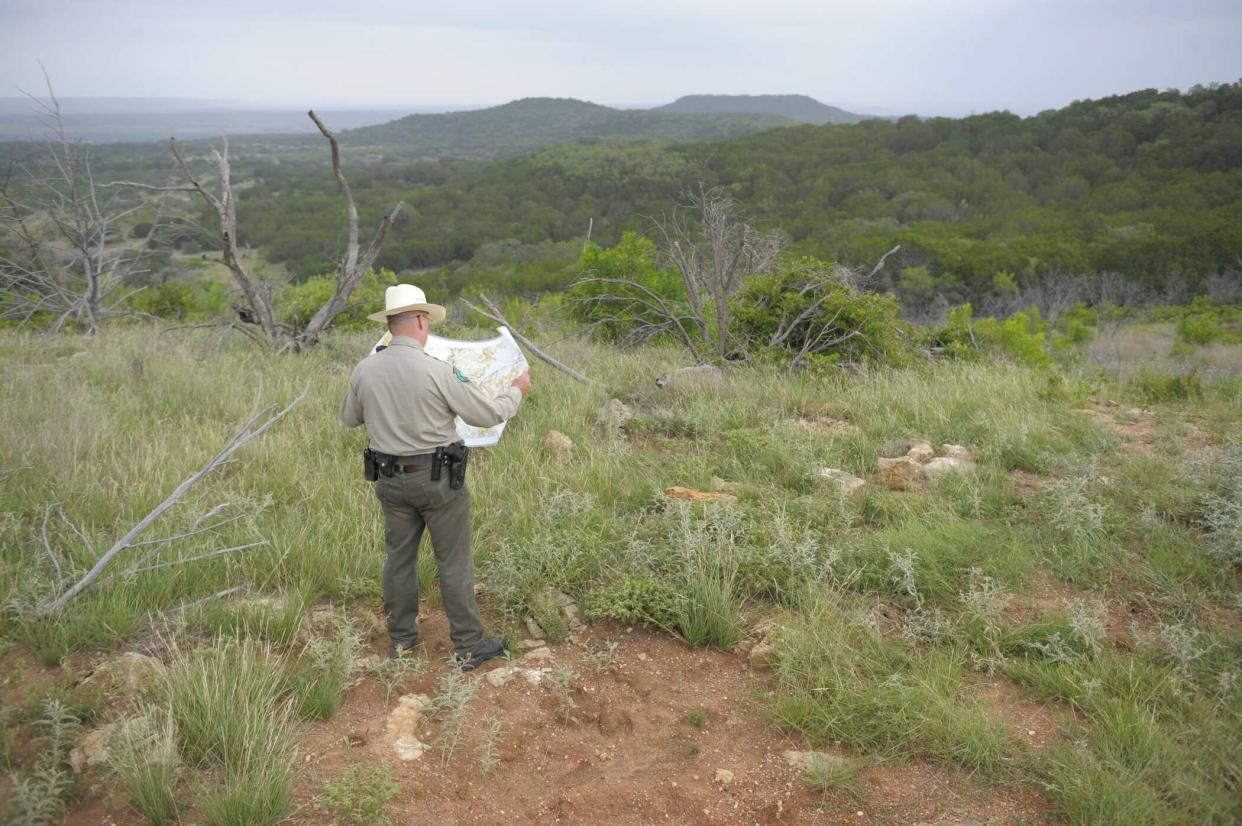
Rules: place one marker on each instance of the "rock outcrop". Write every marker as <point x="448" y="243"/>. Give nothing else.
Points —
<point x="557" y="445"/>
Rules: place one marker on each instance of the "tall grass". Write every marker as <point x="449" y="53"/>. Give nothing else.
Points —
<point x="893" y="605"/>
<point x="143" y="755"/>
<point x="227" y="701"/>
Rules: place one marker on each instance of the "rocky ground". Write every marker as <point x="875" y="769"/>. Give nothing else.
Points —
<point x="615" y="725"/>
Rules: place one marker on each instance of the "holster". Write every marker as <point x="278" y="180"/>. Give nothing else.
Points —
<point x="455" y="455"/>
<point x="376" y="464"/>
<point x="458" y="455"/>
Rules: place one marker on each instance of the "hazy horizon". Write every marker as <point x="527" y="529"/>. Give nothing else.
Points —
<point x="947" y="57"/>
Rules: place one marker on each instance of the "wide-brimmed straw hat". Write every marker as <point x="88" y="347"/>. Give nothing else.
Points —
<point x="406" y="298"/>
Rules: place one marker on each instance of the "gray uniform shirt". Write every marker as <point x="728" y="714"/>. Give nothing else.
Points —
<point x="408" y="400"/>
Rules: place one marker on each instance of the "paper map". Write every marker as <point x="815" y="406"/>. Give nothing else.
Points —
<point x="491" y="364"/>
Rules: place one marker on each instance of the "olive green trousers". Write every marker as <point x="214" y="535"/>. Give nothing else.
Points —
<point x="412" y="502"/>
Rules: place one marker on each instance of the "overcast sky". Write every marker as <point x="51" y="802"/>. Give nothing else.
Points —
<point x="925" y="56"/>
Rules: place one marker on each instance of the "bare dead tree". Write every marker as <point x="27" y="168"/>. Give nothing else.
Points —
<point x="258" y="423"/>
<point x="259" y="305"/>
<point x="66" y="260"/>
<point x="713" y="251"/>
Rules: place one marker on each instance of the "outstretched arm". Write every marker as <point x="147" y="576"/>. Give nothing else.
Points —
<point x="474" y="406"/>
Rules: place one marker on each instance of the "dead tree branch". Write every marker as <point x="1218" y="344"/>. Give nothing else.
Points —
<point x="259" y="303"/>
<point x="353" y="265"/>
<point x="258" y="423"/>
<point x="713" y="251"/>
<point x="67" y="264"/>
<point x="494" y="314"/>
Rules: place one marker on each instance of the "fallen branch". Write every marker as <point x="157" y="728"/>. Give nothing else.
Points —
<point x="195" y="603"/>
<point x="497" y="316"/>
<point x="256" y="425"/>
<point x="212" y="555"/>
<point x="60" y="576"/>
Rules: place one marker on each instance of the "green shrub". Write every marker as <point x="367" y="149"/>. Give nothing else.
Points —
<point x="852" y="326"/>
<point x="1154" y="386"/>
<point x="1199" y="328"/>
<point x="182" y="301"/>
<point x="1074" y="327"/>
<point x="627" y="270"/>
<point x="299" y="302"/>
<point x="360" y="793"/>
<point x="1022" y="337"/>
<point x="634" y="598"/>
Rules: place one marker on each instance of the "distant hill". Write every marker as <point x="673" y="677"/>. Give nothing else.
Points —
<point x="794" y="107"/>
<point x="114" y="120"/>
<point x="533" y="123"/>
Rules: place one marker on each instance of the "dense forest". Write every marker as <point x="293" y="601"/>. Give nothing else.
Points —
<point x="1145" y="186"/>
<point x="1148" y="185"/>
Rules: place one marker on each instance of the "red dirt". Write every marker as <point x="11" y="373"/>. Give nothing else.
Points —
<point x="628" y="754"/>
<point x="1037" y="724"/>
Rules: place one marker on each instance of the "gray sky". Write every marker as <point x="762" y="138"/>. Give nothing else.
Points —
<point x="926" y="56"/>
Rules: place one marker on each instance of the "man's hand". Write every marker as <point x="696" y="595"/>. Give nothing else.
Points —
<point x="522" y="382"/>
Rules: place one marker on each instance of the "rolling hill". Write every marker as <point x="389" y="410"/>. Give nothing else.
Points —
<point x="794" y="107"/>
<point x="533" y="123"/>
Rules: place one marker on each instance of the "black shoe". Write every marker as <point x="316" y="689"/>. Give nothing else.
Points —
<point x="397" y="650"/>
<point x="484" y="651"/>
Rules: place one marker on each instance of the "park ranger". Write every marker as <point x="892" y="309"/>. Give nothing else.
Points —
<point x="408" y="401"/>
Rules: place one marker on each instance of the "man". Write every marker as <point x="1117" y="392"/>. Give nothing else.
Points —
<point x="408" y="401"/>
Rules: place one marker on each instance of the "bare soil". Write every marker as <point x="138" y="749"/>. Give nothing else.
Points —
<point x="629" y="751"/>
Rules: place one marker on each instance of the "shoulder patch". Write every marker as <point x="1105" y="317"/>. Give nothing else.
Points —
<point x="461" y="377"/>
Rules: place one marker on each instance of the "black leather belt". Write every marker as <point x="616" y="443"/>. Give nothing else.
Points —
<point x="413" y="464"/>
<point x="411" y="468"/>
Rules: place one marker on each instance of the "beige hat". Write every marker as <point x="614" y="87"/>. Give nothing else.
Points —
<point x="406" y="298"/>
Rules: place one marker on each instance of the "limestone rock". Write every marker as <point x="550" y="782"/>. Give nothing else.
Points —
<point x="941" y="465"/>
<point x="724" y="777"/>
<point x="564" y="605"/>
<point x="401" y="729"/>
<point x="557" y="444"/>
<point x="719" y="485"/>
<point x="506" y="674"/>
<point x="614" y="414"/>
<point x="802" y="760"/>
<point x="762" y="654"/>
<point x="541" y="653"/>
<point x="902" y="473"/>
<point x="92" y="749"/>
<point x="526" y="645"/>
<point x="845" y="482"/>
<point x="705" y="374"/>
<point x="534" y="630"/>
<point x="128" y="676"/>
<point x="502" y="676"/>
<point x="829" y="425"/>
<point x="920" y="451"/>
<point x="692" y="495"/>
<point x="957" y="452"/>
